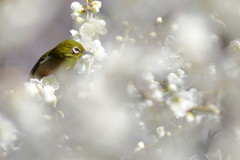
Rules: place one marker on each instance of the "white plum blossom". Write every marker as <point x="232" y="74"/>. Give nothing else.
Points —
<point x="49" y="96"/>
<point x="153" y="87"/>
<point x="75" y="35"/>
<point x="183" y="101"/>
<point x="172" y="87"/>
<point x="93" y="27"/>
<point x="82" y="65"/>
<point x="140" y="146"/>
<point x="157" y="94"/>
<point x="77" y="9"/>
<point x="75" y="15"/>
<point x="93" y="46"/>
<point x="161" y="131"/>
<point x="88" y="36"/>
<point x="76" y="6"/>
<point x="33" y="87"/>
<point x="177" y="79"/>
<point x="79" y="20"/>
<point x="181" y="73"/>
<point x="234" y="46"/>
<point x="159" y="20"/>
<point x="87" y="30"/>
<point x="96" y="5"/>
<point x="97" y="49"/>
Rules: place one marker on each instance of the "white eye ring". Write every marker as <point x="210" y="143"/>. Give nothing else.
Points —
<point x="76" y="50"/>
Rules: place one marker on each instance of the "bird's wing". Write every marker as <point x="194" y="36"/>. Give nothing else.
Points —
<point x="43" y="59"/>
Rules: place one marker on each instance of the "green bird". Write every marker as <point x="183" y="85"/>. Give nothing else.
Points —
<point x="63" y="57"/>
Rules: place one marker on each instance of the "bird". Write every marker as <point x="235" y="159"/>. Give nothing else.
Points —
<point x="62" y="57"/>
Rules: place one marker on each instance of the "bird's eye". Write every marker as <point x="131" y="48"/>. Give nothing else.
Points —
<point x="76" y="50"/>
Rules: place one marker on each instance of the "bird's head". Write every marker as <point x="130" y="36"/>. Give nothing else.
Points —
<point x="69" y="49"/>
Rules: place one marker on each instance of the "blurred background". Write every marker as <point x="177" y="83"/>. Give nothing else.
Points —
<point x="123" y="111"/>
<point x="30" y="28"/>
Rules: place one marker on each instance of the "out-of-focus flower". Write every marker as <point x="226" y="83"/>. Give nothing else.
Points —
<point x="161" y="131"/>
<point x="159" y="20"/>
<point x="8" y="134"/>
<point x="157" y="94"/>
<point x="50" y="81"/>
<point x="172" y="87"/>
<point x="190" y="117"/>
<point x="234" y="47"/>
<point x="153" y="34"/>
<point x="148" y="76"/>
<point x="140" y="146"/>
<point x="33" y="87"/>
<point x="193" y="29"/>
<point x="48" y="92"/>
<point x="177" y="79"/>
<point x="42" y="90"/>
<point x="212" y="70"/>
<point x="132" y="90"/>
<point x="119" y="38"/>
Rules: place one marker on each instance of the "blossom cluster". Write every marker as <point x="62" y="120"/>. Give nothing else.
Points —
<point x="78" y="9"/>
<point x="88" y="33"/>
<point x="43" y="90"/>
<point x="175" y="94"/>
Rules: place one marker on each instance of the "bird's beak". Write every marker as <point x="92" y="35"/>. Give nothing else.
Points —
<point x="86" y="52"/>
